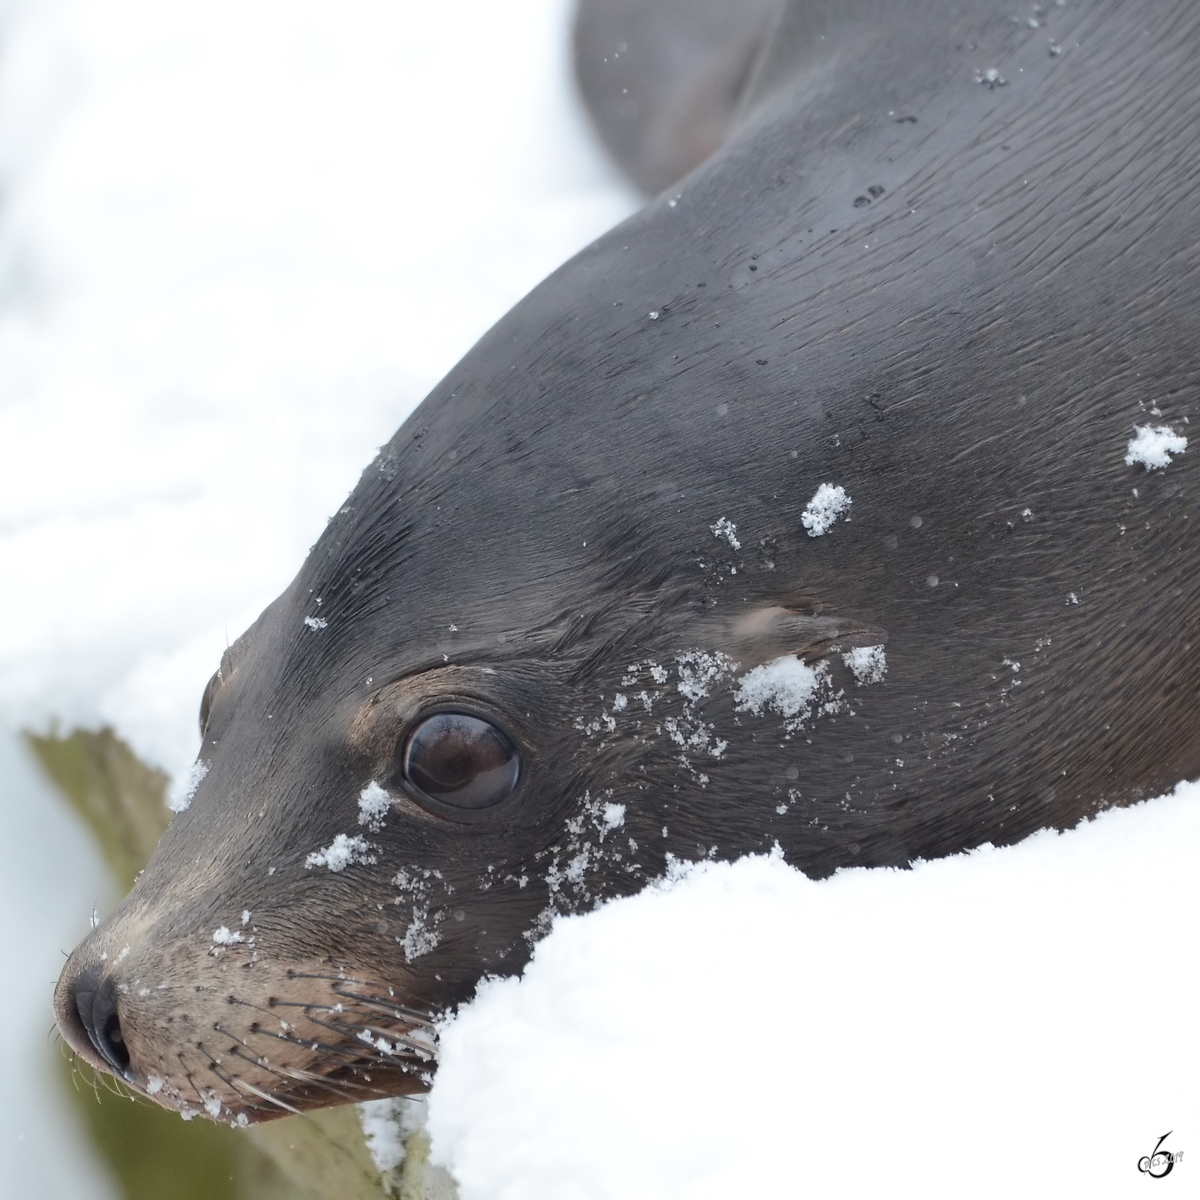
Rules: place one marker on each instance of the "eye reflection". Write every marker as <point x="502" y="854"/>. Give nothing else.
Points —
<point x="461" y="761"/>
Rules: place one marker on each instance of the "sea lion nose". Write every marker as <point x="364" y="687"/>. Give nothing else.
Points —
<point x="95" y="1000"/>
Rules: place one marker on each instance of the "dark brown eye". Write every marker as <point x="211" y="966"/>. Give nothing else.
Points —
<point x="461" y="761"/>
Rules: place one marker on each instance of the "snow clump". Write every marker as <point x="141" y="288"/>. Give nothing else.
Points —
<point x="373" y="805"/>
<point x="723" y="527"/>
<point x="185" y="788"/>
<point x="387" y="1126"/>
<point x="1152" y="446"/>
<point x="340" y="853"/>
<point x="828" y="503"/>
<point x="787" y="684"/>
<point x="868" y="664"/>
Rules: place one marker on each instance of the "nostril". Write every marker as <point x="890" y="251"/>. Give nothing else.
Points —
<point x="114" y="1043"/>
<point x="96" y="1004"/>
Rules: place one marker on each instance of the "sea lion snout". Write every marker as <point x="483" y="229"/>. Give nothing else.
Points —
<point x="234" y="1034"/>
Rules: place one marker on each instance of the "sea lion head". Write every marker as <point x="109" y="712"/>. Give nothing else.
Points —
<point x="500" y="689"/>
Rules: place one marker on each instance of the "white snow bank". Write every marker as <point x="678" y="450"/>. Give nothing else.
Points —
<point x="1008" y="1022"/>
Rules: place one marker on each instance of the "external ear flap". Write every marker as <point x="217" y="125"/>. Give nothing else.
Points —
<point x="222" y="675"/>
<point x="663" y="79"/>
<point x="765" y="634"/>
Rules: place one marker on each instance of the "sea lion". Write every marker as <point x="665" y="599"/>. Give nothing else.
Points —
<point x="841" y="499"/>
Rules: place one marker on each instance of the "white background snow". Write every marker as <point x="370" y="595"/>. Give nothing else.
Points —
<point x="237" y="243"/>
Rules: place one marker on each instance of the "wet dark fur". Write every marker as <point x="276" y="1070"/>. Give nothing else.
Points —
<point x="954" y="300"/>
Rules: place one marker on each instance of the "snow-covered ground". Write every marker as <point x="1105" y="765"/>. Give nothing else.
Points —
<point x="238" y="242"/>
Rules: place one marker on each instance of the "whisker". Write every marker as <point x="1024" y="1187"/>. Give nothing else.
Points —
<point x="400" y="1011"/>
<point x="341" y="980"/>
<point x="112" y="1085"/>
<point x="76" y="1073"/>
<point x="356" y="1031"/>
<point x="305" y="1004"/>
<point x="360" y="1056"/>
<point x="309" y="1043"/>
<point x="271" y="1099"/>
<point x="294" y="1076"/>
<point x="287" y="1073"/>
<point x="214" y="1066"/>
<point x="292" y="974"/>
<point x="353" y="1029"/>
<point x="420" y="1050"/>
<point x="191" y="1080"/>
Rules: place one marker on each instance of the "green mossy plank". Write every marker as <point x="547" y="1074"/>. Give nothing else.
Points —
<point x="323" y="1151"/>
<point x="152" y="1153"/>
<point x="419" y="1178"/>
<point x="122" y="800"/>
